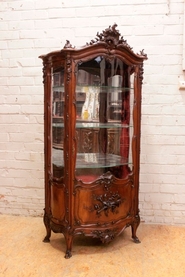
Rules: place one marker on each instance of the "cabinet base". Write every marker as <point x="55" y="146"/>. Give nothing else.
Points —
<point x="105" y="235"/>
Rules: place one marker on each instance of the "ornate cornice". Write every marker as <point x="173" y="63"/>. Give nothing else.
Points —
<point x="142" y="53"/>
<point x="68" y="45"/>
<point x="111" y="37"/>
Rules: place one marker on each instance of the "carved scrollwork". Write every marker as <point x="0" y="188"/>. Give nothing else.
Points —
<point x="68" y="69"/>
<point x="105" y="236"/>
<point x="108" y="202"/>
<point x="87" y="141"/>
<point x="141" y="71"/>
<point x="68" y="44"/>
<point x="111" y="37"/>
<point x="106" y="180"/>
<point x="61" y="227"/>
<point x="44" y="72"/>
<point x="111" y="142"/>
<point x="56" y="227"/>
<point x="142" y="53"/>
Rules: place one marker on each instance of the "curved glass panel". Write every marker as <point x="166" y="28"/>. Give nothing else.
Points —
<point x="57" y="123"/>
<point x="103" y="118"/>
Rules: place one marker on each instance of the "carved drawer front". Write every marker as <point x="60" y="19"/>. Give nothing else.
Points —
<point x="57" y="202"/>
<point x="97" y="205"/>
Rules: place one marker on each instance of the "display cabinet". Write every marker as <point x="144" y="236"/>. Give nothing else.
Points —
<point x="92" y="115"/>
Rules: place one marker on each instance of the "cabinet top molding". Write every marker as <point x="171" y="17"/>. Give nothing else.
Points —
<point x="110" y="39"/>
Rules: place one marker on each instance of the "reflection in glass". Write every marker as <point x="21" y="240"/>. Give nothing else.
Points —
<point x="58" y="99"/>
<point x="103" y="123"/>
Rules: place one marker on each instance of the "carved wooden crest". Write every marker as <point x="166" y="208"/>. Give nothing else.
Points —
<point x="111" y="37"/>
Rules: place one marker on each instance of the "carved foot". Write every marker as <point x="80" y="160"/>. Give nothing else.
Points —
<point x="136" y="240"/>
<point x="46" y="239"/>
<point x="48" y="228"/>
<point x="69" y="242"/>
<point x="68" y="254"/>
<point x="134" y="227"/>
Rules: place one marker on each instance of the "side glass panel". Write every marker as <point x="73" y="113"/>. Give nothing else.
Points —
<point x="104" y="125"/>
<point x="57" y="123"/>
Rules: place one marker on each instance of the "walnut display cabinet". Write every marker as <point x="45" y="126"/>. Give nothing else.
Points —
<point x="92" y="113"/>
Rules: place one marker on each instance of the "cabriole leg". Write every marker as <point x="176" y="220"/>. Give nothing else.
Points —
<point x="69" y="243"/>
<point x="48" y="229"/>
<point x="134" y="227"/>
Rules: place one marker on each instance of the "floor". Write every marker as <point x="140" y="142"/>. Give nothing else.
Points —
<point x="22" y="253"/>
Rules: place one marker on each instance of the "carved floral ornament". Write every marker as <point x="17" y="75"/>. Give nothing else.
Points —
<point x="111" y="37"/>
<point x="105" y="236"/>
<point x="108" y="202"/>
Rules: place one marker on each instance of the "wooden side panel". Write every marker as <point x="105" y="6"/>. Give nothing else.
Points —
<point x="57" y="202"/>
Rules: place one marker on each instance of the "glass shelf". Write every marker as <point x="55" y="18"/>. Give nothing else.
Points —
<point x="85" y="88"/>
<point x="58" y="88"/>
<point x="90" y="160"/>
<point x="98" y="160"/>
<point x="80" y="125"/>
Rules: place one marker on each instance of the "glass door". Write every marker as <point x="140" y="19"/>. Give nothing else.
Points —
<point x="57" y="123"/>
<point x="103" y="118"/>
